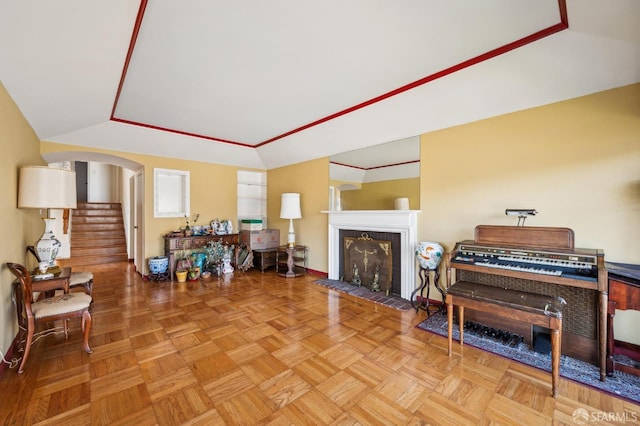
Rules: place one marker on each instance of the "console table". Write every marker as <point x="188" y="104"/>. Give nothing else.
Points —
<point x="195" y="243"/>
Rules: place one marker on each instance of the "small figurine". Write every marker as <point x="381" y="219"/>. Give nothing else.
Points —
<point x="375" y="282"/>
<point x="356" y="276"/>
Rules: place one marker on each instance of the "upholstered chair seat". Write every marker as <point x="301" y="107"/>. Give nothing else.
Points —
<point x="60" y="304"/>
<point x="82" y="278"/>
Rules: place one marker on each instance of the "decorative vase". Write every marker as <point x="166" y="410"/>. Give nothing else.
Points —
<point x="198" y="260"/>
<point x="181" y="276"/>
<point x="429" y="254"/>
<point x="158" y="264"/>
<point x="48" y="245"/>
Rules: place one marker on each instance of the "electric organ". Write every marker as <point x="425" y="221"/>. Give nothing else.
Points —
<point x="540" y="260"/>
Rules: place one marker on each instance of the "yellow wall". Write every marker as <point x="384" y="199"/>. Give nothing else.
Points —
<point x="19" y="227"/>
<point x="310" y="179"/>
<point x="381" y="195"/>
<point x="213" y="192"/>
<point x="577" y="162"/>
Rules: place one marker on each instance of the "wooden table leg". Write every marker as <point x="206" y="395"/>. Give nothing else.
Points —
<point x="449" y="322"/>
<point x="461" y="323"/>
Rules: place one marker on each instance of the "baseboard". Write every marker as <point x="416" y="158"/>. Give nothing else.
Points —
<point x="314" y="272"/>
<point x="9" y="355"/>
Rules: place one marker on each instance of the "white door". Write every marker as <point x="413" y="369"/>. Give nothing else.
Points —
<point x="138" y="222"/>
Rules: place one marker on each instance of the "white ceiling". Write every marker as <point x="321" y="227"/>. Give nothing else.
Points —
<point x="270" y="83"/>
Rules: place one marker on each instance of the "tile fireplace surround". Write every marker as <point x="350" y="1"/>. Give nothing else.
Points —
<point x="403" y="222"/>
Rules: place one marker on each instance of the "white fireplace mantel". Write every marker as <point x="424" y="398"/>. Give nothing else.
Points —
<point x="403" y="222"/>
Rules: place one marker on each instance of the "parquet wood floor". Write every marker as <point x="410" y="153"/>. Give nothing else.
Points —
<point x="262" y="349"/>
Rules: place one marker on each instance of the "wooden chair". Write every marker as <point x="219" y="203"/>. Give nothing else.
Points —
<point x="60" y="307"/>
<point x="82" y="279"/>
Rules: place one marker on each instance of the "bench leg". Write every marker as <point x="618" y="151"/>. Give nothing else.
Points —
<point x="556" y="335"/>
<point x="449" y="323"/>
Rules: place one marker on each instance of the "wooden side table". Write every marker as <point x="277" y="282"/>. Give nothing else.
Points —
<point x="265" y="257"/>
<point x="291" y="261"/>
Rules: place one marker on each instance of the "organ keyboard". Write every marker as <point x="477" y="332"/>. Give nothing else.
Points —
<point x="541" y="258"/>
<point x="567" y="265"/>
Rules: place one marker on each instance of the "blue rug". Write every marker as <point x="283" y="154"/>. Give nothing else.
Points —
<point x="620" y="384"/>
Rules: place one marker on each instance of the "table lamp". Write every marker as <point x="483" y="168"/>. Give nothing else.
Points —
<point x="290" y="209"/>
<point x="42" y="187"/>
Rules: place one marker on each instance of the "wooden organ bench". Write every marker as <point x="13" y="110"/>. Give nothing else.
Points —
<point x="536" y="309"/>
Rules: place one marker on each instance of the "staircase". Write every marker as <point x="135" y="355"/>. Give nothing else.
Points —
<point x="97" y="235"/>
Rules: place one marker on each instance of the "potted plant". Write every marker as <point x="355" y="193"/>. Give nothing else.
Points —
<point x="187" y="229"/>
<point x="183" y="260"/>
<point x="193" y="273"/>
<point x="216" y="252"/>
<point x="181" y="275"/>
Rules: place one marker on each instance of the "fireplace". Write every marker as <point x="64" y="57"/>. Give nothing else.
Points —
<point x="400" y="222"/>
<point x="393" y="238"/>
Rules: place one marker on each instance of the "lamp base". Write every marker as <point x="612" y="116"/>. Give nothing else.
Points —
<point x="291" y="237"/>
<point x="48" y="245"/>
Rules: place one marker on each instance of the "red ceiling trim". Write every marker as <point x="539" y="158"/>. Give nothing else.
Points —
<point x="179" y="132"/>
<point x="564" y="16"/>
<point x="132" y="43"/>
<point x="562" y="25"/>
<point x="375" y="167"/>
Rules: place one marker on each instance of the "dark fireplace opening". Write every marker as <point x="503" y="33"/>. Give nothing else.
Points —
<point x="396" y="252"/>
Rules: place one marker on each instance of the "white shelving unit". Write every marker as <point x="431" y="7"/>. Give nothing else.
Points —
<point x="252" y="196"/>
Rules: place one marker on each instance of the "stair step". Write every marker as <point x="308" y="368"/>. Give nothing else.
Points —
<point x="94" y="235"/>
<point x="95" y="212"/>
<point x="97" y="235"/>
<point x="82" y="261"/>
<point x="88" y="227"/>
<point x="92" y="241"/>
<point x="109" y="206"/>
<point x="95" y="219"/>
<point x="98" y="251"/>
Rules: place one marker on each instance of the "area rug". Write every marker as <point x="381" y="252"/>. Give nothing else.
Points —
<point x="620" y="384"/>
<point x="392" y="301"/>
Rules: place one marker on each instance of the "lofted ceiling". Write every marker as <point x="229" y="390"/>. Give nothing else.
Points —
<point x="266" y="84"/>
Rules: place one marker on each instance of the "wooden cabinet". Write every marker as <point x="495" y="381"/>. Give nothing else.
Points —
<point x="264" y="258"/>
<point x="291" y="262"/>
<point x="624" y="293"/>
<point x="173" y="245"/>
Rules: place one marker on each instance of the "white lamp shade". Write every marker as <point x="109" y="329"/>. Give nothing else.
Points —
<point x="290" y="206"/>
<point x="42" y="187"/>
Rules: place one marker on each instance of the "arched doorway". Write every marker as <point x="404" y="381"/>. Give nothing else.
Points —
<point x="131" y="194"/>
